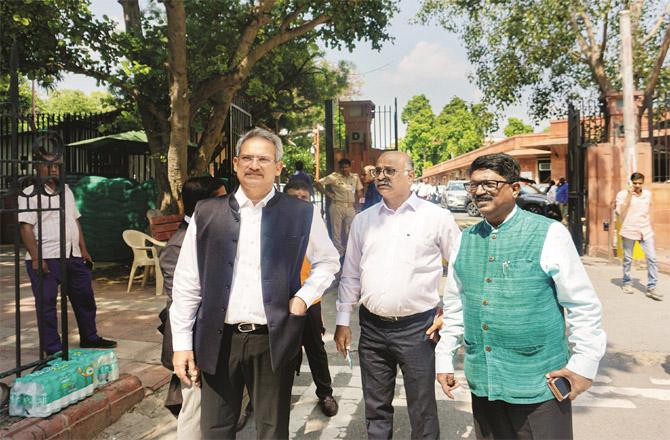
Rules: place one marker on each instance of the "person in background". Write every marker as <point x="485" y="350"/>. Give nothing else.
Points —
<point x="562" y="198"/>
<point x="181" y="399"/>
<point x="343" y="188"/>
<point x="312" y="338"/>
<point x="48" y="274"/>
<point x="302" y="175"/>
<point x="372" y="196"/>
<point x="633" y="206"/>
<point x="513" y="277"/>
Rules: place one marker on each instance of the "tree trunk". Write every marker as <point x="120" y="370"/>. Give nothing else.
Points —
<point x="177" y="157"/>
<point x="213" y="133"/>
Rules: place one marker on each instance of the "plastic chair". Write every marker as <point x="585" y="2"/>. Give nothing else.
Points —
<point x="144" y="256"/>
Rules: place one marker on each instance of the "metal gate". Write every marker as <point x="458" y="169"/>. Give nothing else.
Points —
<point x="587" y="125"/>
<point x="27" y="193"/>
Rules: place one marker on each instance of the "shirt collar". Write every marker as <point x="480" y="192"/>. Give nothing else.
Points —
<point x="509" y="216"/>
<point x="412" y="203"/>
<point x="187" y="218"/>
<point x="243" y="200"/>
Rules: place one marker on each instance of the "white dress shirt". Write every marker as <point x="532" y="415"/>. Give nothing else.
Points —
<point x="51" y="222"/>
<point x="246" y="295"/>
<point x="559" y="259"/>
<point x="393" y="263"/>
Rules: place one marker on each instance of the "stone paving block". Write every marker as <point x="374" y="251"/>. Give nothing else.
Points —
<point x="54" y="425"/>
<point x="154" y="377"/>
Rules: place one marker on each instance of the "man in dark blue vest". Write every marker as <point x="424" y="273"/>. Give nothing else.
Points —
<point x="238" y="306"/>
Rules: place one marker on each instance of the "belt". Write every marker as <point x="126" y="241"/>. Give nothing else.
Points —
<point x="248" y="327"/>
<point x="397" y="319"/>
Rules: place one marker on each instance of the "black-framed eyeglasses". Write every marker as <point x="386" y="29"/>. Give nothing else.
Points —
<point x="490" y="186"/>
<point x="387" y="171"/>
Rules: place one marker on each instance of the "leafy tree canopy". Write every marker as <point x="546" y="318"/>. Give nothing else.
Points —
<point x="75" y="101"/>
<point x="460" y="127"/>
<point x="516" y="126"/>
<point x="555" y="48"/>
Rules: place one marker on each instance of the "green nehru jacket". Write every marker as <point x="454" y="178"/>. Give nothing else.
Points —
<point x="514" y="330"/>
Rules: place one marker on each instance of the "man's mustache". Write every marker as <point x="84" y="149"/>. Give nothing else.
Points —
<point x="384" y="182"/>
<point x="483" y="198"/>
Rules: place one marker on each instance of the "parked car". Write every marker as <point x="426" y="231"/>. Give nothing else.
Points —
<point x="455" y="197"/>
<point x="531" y="198"/>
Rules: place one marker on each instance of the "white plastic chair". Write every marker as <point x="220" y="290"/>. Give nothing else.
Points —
<point x="144" y="256"/>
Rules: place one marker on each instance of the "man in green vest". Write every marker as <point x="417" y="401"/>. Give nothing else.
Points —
<point x="512" y="277"/>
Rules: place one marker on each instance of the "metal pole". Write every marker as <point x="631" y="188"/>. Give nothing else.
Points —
<point x="328" y="123"/>
<point x="629" y="121"/>
<point x="395" y="123"/>
<point x="14" y="101"/>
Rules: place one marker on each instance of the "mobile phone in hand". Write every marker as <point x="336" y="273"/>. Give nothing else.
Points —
<point x="560" y="387"/>
<point x="89" y="264"/>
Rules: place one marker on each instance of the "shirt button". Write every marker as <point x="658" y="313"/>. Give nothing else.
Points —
<point x="488" y="348"/>
<point x="485" y="302"/>
<point x="492" y="258"/>
<point x="488" y="280"/>
<point x="493" y="236"/>
<point x="219" y="331"/>
<point x="230" y="263"/>
<point x="485" y="327"/>
<point x="227" y="287"/>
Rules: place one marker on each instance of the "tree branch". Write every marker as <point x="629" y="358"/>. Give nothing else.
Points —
<point x="586" y="50"/>
<point x="603" y="42"/>
<point x="589" y="30"/>
<point x="656" y="26"/>
<point x="282" y="38"/>
<point x="652" y="79"/>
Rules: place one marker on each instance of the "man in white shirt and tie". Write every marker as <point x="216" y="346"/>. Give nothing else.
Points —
<point x="239" y="309"/>
<point x="393" y="267"/>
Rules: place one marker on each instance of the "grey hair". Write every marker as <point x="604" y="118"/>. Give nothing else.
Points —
<point x="410" y="164"/>
<point x="265" y="134"/>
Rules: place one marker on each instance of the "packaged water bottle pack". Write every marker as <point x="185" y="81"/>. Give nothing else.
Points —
<point x="62" y="383"/>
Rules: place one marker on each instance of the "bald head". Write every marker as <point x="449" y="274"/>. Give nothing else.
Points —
<point x="399" y="157"/>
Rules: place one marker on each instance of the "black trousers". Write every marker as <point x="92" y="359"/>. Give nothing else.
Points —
<point x="316" y="352"/>
<point x="495" y="419"/>
<point x="382" y="348"/>
<point x="245" y="360"/>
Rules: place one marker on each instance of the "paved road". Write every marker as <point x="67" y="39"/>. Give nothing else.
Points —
<point x="630" y="398"/>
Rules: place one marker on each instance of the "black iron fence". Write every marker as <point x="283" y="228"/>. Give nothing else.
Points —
<point x="658" y="129"/>
<point x="384" y="127"/>
<point x="68" y="127"/>
<point x="588" y="124"/>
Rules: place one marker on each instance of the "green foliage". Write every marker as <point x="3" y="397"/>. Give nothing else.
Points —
<point x="25" y="96"/>
<point x="52" y="36"/>
<point x="552" y="49"/>
<point x="75" y="101"/>
<point x="516" y="126"/>
<point x="460" y="127"/>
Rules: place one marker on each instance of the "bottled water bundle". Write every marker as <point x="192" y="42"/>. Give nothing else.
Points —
<point x="62" y="383"/>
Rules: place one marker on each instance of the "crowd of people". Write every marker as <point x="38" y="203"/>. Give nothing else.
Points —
<point x="245" y="272"/>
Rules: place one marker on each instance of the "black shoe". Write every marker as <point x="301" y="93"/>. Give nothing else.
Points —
<point x="244" y="417"/>
<point x="328" y="406"/>
<point x="99" y="343"/>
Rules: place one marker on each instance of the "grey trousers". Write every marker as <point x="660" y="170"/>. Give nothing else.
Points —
<point x="496" y="420"/>
<point x="384" y="346"/>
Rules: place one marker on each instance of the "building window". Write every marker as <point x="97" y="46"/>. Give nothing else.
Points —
<point x="544" y="170"/>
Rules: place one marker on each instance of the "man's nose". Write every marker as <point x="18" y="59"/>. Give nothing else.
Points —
<point x="479" y="190"/>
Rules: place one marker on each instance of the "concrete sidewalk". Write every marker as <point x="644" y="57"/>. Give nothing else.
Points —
<point x="633" y="387"/>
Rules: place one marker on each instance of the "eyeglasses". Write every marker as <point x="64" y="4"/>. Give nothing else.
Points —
<point x="263" y="161"/>
<point x="387" y="171"/>
<point x="490" y="186"/>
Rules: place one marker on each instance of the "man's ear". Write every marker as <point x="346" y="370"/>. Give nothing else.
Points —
<point x="516" y="188"/>
<point x="278" y="167"/>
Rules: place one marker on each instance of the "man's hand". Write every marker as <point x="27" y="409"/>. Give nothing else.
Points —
<point x="36" y="266"/>
<point x="578" y="384"/>
<point x="448" y="382"/>
<point x="296" y="306"/>
<point x="342" y="339"/>
<point x="185" y="368"/>
<point x="438" y="322"/>
<point x="330" y="194"/>
<point x="86" y="256"/>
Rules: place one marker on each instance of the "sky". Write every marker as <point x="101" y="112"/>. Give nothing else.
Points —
<point x="421" y="59"/>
